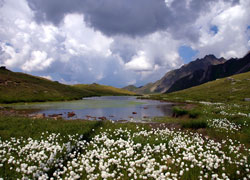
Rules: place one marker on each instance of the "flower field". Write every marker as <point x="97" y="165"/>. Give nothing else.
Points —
<point x="125" y="154"/>
<point x="49" y="149"/>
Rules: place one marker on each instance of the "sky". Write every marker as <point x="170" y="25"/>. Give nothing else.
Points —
<point x="118" y="42"/>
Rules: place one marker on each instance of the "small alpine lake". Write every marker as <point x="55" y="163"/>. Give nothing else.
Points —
<point x="116" y="108"/>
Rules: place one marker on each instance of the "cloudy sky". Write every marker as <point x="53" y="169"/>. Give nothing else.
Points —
<point x="118" y="42"/>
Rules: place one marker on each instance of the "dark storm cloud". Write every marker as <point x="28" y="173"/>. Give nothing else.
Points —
<point x="109" y="16"/>
<point x="126" y="50"/>
<point x="53" y="10"/>
<point x="127" y="17"/>
<point x="2" y="3"/>
<point x="130" y="17"/>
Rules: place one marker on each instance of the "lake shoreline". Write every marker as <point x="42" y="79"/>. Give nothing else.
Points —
<point x="113" y="108"/>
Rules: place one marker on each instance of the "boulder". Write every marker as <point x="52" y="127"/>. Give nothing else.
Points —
<point x="37" y="116"/>
<point x="230" y="79"/>
<point x="40" y="116"/>
<point x="71" y="114"/>
<point x="103" y="118"/>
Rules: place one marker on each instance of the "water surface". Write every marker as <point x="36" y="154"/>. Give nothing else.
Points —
<point x="109" y="107"/>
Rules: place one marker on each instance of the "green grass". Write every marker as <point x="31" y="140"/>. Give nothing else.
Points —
<point x="20" y="87"/>
<point x="27" y="127"/>
<point x="197" y="118"/>
<point x="230" y="92"/>
<point x="179" y="112"/>
<point x="16" y="126"/>
<point x="194" y="124"/>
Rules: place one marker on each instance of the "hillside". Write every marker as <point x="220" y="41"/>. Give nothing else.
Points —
<point x="213" y="72"/>
<point x="102" y="90"/>
<point x="144" y="89"/>
<point x="230" y="89"/>
<point x="130" y="88"/>
<point x="162" y="85"/>
<point x="20" y="87"/>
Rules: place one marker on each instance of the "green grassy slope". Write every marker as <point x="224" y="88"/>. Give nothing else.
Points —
<point x="102" y="90"/>
<point x="226" y="102"/>
<point x="231" y="89"/>
<point x="130" y="88"/>
<point x="20" y="87"/>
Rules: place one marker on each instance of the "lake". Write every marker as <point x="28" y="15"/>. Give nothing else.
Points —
<point x="114" y="108"/>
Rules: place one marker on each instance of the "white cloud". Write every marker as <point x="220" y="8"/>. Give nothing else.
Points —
<point x="232" y="38"/>
<point x="38" y="61"/>
<point x="168" y="2"/>
<point x="83" y="39"/>
<point x="75" y="53"/>
<point x="47" y="77"/>
<point x="132" y="82"/>
<point x="49" y="33"/>
<point x="13" y="58"/>
<point x="139" y="62"/>
<point x="150" y="56"/>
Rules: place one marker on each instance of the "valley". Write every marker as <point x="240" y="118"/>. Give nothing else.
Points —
<point x="204" y="134"/>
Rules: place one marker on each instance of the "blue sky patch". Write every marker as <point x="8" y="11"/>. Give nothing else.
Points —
<point x="214" y="29"/>
<point x="186" y="53"/>
<point x="8" y="44"/>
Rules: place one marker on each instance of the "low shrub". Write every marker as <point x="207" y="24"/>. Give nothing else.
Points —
<point x="177" y="112"/>
<point x="194" y="113"/>
<point x="194" y="124"/>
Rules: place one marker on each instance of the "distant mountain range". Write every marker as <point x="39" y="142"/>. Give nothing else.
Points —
<point x="195" y="73"/>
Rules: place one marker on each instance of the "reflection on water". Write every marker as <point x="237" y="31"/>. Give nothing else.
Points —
<point x="109" y="107"/>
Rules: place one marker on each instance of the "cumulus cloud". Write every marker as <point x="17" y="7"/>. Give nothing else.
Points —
<point x="139" y="62"/>
<point x="232" y="38"/>
<point x="117" y="42"/>
<point x="148" y="53"/>
<point x="38" y="61"/>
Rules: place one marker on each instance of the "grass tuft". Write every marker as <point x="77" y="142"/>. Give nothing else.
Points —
<point x="179" y="112"/>
<point x="194" y="124"/>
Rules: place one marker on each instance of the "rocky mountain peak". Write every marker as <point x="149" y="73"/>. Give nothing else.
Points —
<point x="171" y="77"/>
<point x="210" y="56"/>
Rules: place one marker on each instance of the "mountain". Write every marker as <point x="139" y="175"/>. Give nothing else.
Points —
<point x="162" y="85"/>
<point x="130" y="88"/>
<point x="20" y="87"/>
<point x="103" y="90"/>
<point x="140" y="90"/>
<point x="213" y="72"/>
<point x="230" y="89"/>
